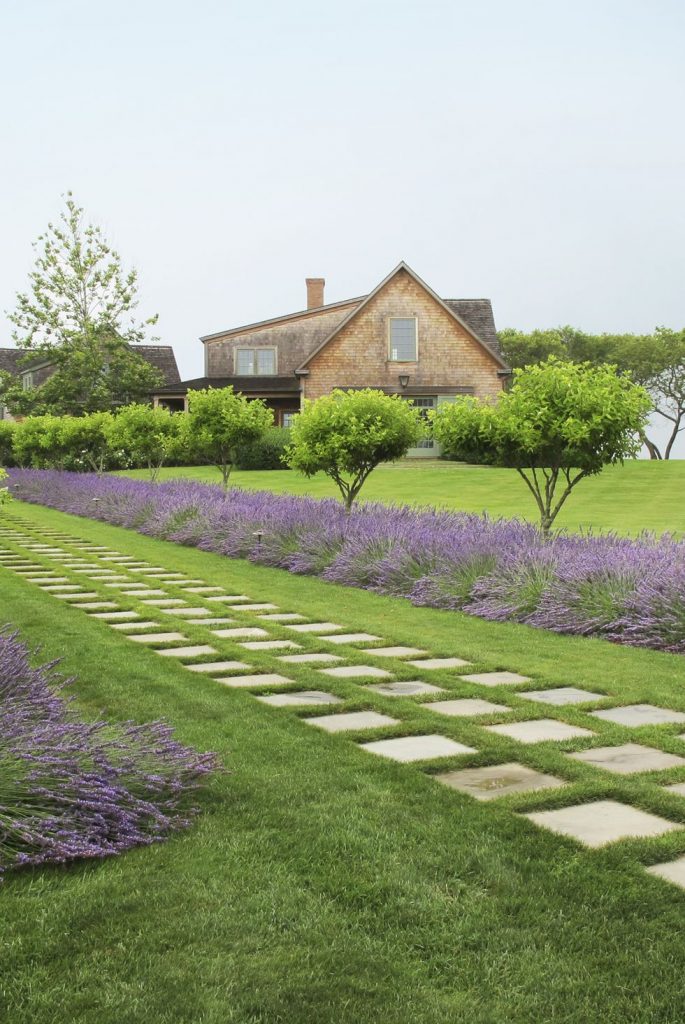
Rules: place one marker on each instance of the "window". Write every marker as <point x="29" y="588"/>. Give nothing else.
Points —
<point x="403" y="339"/>
<point x="27" y="381"/>
<point x="424" y="403"/>
<point x="287" y="418"/>
<point x="255" y="361"/>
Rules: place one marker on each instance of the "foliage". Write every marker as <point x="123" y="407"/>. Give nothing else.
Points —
<point x="628" y="591"/>
<point x="221" y="423"/>
<point x="148" y="436"/>
<point x="559" y="423"/>
<point x="4" y="492"/>
<point x="71" y="789"/>
<point x="7" y="428"/>
<point x="38" y="442"/>
<point x="348" y="433"/>
<point x="267" y="452"/>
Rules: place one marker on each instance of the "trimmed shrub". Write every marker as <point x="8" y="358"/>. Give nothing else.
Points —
<point x="265" y="453"/>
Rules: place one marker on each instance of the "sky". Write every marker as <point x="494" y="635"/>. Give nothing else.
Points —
<point x="531" y="152"/>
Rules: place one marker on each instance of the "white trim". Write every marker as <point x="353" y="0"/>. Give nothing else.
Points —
<point x="255" y="348"/>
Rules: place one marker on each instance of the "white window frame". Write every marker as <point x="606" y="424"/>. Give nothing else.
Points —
<point x="290" y="413"/>
<point x="254" y="349"/>
<point x="27" y="380"/>
<point x="416" y="337"/>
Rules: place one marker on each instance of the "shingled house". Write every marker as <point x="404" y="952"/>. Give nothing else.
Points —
<point x="401" y="338"/>
<point x="35" y="373"/>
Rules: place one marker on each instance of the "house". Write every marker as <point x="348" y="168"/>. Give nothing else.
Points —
<point x="35" y="373"/>
<point x="401" y="338"/>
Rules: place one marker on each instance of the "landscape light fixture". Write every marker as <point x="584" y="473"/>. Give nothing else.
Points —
<point x="404" y="380"/>
<point x="258" y="534"/>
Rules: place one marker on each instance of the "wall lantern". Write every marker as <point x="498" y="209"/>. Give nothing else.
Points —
<point x="404" y="380"/>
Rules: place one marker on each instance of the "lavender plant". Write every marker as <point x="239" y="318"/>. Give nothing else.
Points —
<point x="629" y="591"/>
<point x="71" y="789"/>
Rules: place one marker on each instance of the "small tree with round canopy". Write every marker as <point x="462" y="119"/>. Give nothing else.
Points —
<point x="220" y="423"/>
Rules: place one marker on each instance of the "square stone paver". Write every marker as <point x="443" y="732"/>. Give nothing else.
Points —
<point x="47" y="579"/>
<point x="628" y="759"/>
<point x="350" y="720"/>
<point x="129" y="587"/>
<point x="355" y="672"/>
<point x="438" y="663"/>
<point x="673" y="871"/>
<point x="678" y="788"/>
<point x="258" y="679"/>
<point x="404" y="689"/>
<point x="417" y="748"/>
<point x="393" y="652"/>
<point x="465" y="706"/>
<point x="282" y="617"/>
<point x="127" y="627"/>
<point x="60" y="588"/>
<point x="157" y="638"/>
<point x="635" y="715"/>
<point x="206" y="589"/>
<point x="561" y="695"/>
<point x="212" y="621"/>
<point x="602" y="821"/>
<point x="349" y="638"/>
<point x="146" y="592"/>
<point x="224" y="598"/>
<point x="496" y="678"/>
<point x="310" y="659"/>
<point x="189" y="613"/>
<point x="285" y="700"/>
<point x="314" y="627"/>
<point x="541" y="730"/>
<point x="499" y="780"/>
<point x="240" y="632"/>
<point x="91" y="606"/>
<point x="163" y="602"/>
<point x="264" y="607"/>
<point x="76" y="596"/>
<point x="270" y="645"/>
<point x="193" y="651"/>
<point x="211" y="667"/>
<point x="115" y="616"/>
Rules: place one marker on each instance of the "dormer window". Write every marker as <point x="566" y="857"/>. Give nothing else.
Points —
<point x="258" y="362"/>
<point x="403" y="341"/>
<point x="27" y="381"/>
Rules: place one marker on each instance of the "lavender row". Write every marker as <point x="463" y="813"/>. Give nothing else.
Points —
<point x="629" y="591"/>
<point x="71" y="789"/>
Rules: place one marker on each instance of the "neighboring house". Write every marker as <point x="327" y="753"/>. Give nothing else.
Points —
<point x="33" y="374"/>
<point x="401" y="338"/>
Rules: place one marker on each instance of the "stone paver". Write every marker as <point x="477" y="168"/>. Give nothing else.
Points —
<point x="60" y="588"/>
<point x="115" y="616"/>
<point x="270" y="645"/>
<point x="133" y="587"/>
<point x="240" y="632"/>
<point x="210" y="667"/>
<point x="223" y="598"/>
<point x="194" y="651"/>
<point x="282" y="617"/>
<point x="672" y="871"/>
<point x="393" y="652"/>
<point x="351" y="720"/>
<point x="417" y="748"/>
<point x="541" y="730"/>
<point x="438" y="663"/>
<point x="89" y="606"/>
<point x="84" y="595"/>
<point x="678" y="788"/>
<point x="146" y="592"/>
<point x="628" y="759"/>
<point x="310" y="659"/>
<point x="496" y="678"/>
<point x="263" y="607"/>
<point x="635" y="715"/>
<point x="202" y="589"/>
<point x="499" y="780"/>
<point x="465" y="706"/>
<point x="562" y="695"/>
<point x="349" y="638"/>
<point x="189" y="613"/>
<point x="164" y="602"/>
<point x="356" y="672"/>
<point x="404" y="689"/>
<point x="47" y="579"/>
<point x="285" y="700"/>
<point x="602" y="821"/>
<point x="127" y="627"/>
<point x="258" y="679"/>
<point x="212" y="621"/>
<point x="157" y="638"/>
<point x="314" y="627"/>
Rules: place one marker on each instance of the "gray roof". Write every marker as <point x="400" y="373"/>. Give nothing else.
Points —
<point x="477" y="314"/>
<point x="9" y="359"/>
<point x="160" y="356"/>
<point x="256" y="384"/>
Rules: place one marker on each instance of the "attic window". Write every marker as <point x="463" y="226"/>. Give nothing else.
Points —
<point x="27" y="381"/>
<point x="403" y="339"/>
<point x="255" y="362"/>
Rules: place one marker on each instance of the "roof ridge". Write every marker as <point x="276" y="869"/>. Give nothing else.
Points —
<point x="281" y="319"/>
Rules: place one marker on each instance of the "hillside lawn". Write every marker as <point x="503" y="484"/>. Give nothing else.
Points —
<point x="322" y="885"/>
<point x="640" y="495"/>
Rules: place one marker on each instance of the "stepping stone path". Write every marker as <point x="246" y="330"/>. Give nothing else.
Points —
<point x="593" y="823"/>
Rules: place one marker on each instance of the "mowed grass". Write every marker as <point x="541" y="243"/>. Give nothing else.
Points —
<point x="640" y="495"/>
<point x="324" y="885"/>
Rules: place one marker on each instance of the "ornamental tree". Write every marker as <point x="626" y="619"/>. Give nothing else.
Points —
<point x="348" y="433"/>
<point x="146" y="436"/>
<point x="559" y="423"/>
<point x="220" y="423"/>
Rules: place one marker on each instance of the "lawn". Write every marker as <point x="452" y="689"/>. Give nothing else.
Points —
<point x="639" y="495"/>
<point x="323" y="884"/>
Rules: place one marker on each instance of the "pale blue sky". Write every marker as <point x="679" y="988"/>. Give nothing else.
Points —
<point x="531" y="152"/>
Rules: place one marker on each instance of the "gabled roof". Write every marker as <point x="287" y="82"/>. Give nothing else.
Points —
<point x="160" y="356"/>
<point x="303" y="314"/>
<point x="9" y="359"/>
<point x="450" y="308"/>
<point x="257" y="383"/>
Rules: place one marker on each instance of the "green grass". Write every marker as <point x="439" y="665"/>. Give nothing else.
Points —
<point x="324" y="885"/>
<point x="637" y="496"/>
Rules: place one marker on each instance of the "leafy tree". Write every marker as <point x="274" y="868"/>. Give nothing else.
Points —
<point x="657" y="362"/>
<point x="4" y="493"/>
<point x="348" y="433"/>
<point x="220" y="423"/>
<point x="38" y="443"/>
<point x="7" y="428"/>
<point x="559" y="423"/>
<point x="86" y="439"/>
<point x="79" y="315"/>
<point x="146" y="436"/>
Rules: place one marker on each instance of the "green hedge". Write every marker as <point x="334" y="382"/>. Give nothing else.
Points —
<point x="267" y="453"/>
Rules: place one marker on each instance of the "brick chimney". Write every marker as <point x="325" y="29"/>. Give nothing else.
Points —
<point x="315" y="287"/>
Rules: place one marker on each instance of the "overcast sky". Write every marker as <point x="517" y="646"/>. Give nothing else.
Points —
<point x="530" y="152"/>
